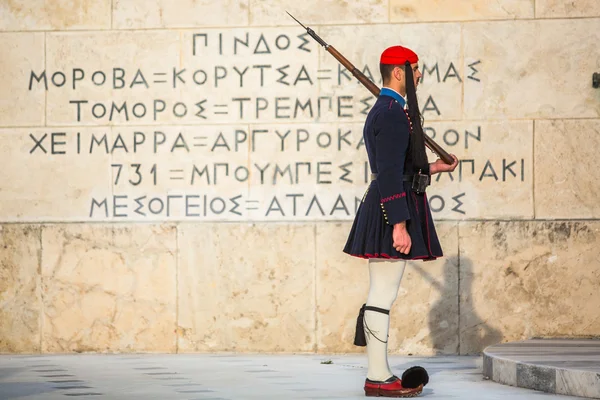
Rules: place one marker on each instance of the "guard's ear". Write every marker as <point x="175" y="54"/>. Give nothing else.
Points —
<point x="398" y="73"/>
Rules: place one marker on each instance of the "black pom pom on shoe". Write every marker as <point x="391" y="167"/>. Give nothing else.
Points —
<point x="415" y="376"/>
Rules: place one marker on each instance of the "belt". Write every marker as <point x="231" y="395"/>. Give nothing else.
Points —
<point x="419" y="181"/>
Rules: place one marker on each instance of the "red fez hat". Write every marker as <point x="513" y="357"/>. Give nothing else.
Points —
<point x="398" y="55"/>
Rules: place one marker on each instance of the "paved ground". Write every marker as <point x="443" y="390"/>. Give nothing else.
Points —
<point x="221" y="377"/>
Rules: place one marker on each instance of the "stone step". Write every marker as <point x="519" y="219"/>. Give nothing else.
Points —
<point x="561" y="366"/>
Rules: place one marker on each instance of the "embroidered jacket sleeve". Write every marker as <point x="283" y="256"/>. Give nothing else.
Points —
<point x="391" y="143"/>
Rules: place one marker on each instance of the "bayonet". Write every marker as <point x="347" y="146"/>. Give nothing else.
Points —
<point x="312" y="33"/>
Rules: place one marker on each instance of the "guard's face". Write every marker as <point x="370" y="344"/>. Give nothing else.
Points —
<point x="401" y="76"/>
<point x="416" y="74"/>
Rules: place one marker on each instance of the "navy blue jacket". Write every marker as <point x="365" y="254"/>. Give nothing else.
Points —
<point x="389" y="198"/>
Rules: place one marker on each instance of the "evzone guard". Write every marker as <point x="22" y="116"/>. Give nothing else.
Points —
<point x="393" y="223"/>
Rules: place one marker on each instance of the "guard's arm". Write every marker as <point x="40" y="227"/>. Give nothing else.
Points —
<point x="391" y="143"/>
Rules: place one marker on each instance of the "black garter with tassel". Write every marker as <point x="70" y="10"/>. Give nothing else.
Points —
<point x="413" y="376"/>
<point x="359" y="335"/>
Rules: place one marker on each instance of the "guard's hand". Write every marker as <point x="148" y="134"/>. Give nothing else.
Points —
<point x="402" y="242"/>
<point x="440" y="166"/>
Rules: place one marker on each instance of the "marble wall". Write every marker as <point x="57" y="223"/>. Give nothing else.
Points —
<point x="180" y="176"/>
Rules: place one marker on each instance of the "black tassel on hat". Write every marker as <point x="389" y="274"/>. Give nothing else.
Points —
<point x="417" y="141"/>
<point x="359" y="336"/>
<point x="415" y="376"/>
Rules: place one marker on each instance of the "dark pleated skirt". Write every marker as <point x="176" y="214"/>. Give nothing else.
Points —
<point x="371" y="236"/>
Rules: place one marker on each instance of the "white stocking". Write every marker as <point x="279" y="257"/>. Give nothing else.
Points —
<point x="385" y="276"/>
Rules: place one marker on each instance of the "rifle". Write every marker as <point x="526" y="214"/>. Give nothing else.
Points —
<point x="372" y="87"/>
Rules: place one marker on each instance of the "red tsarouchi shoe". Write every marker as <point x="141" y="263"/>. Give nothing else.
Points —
<point x="390" y="388"/>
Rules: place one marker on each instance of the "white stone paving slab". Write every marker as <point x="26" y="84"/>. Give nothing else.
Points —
<point x="232" y="376"/>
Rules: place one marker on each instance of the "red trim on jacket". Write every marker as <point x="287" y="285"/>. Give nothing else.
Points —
<point x="427" y="223"/>
<point x="416" y="202"/>
<point x="383" y="255"/>
<point x="393" y="197"/>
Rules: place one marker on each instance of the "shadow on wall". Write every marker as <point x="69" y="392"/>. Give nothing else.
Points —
<point x="471" y="335"/>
